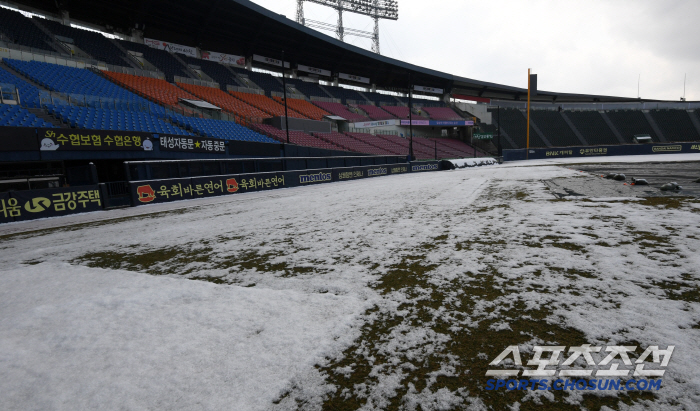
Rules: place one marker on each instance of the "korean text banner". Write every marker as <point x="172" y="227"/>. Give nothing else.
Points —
<point x="171" y="47"/>
<point x="53" y="202"/>
<point x="8" y="208"/>
<point x="18" y="139"/>
<point x="224" y="58"/>
<point x="191" y="144"/>
<point x="62" y="139"/>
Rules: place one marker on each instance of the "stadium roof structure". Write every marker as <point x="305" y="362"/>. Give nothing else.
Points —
<point x="242" y="27"/>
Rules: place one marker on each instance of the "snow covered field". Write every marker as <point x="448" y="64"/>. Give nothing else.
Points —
<point x="386" y="293"/>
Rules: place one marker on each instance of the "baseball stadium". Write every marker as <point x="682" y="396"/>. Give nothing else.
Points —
<point x="208" y="205"/>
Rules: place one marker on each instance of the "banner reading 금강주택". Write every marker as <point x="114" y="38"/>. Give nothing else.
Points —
<point x="171" y="47"/>
<point x="229" y="59"/>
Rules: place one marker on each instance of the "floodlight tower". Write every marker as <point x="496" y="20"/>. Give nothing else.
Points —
<point x="376" y="9"/>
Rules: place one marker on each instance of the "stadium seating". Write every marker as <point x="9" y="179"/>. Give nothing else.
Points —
<point x="401" y="112"/>
<point x="449" y="148"/>
<point x="553" y="126"/>
<point x="376" y="113"/>
<point x="95" y="44"/>
<point x="379" y="98"/>
<point x="22" y="31"/>
<point x="266" y="81"/>
<point x="442" y="113"/>
<point x="266" y="104"/>
<point x="349" y="143"/>
<point x="29" y="95"/>
<point x="227" y="130"/>
<point x="631" y="122"/>
<point x="304" y="107"/>
<point x="15" y="116"/>
<point x="345" y="94"/>
<point x="163" y="60"/>
<point x="227" y="102"/>
<point x="388" y="147"/>
<point x="295" y="137"/>
<point x="675" y="125"/>
<point x="218" y="72"/>
<point x="308" y="89"/>
<point x="107" y="119"/>
<point x="592" y="126"/>
<point x="420" y="151"/>
<point x="513" y="121"/>
<point x="156" y="90"/>
<point x="340" y="110"/>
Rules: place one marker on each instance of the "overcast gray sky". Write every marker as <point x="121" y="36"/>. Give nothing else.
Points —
<point x="590" y="47"/>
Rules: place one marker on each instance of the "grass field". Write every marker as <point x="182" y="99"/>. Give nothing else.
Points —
<point x="388" y="293"/>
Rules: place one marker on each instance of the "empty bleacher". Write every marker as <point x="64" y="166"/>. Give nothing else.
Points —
<point x="349" y="143"/>
<point x="675" y="125"/>
<point x="442" y="113"/>
<point x="95" y="44"/>
<point x="163" y="60"/>
<point x="307" y="88"/>
<point x="227" y="130"/>
<point x="554" y="127"/>
<point x="631" y="122"/>
<point x="108" y="119"/>
<point x="295" y="137"/>
<point x="22" y="31"/>
<point x="376" y="113"/>
<point x="386" y="146"/>
<point x="345" y="94"/>
<point x="592" y="126"/>
<point x="218" y="72"/>
<point x="402" y="112"/>
<point x="419" y="151"/>
<point x="267" y="82"/>
<point x="16" y="116"/>
<point x="227" y="102"/>
<point x="29" y="95"/>
<point x="513" y="122"/>
<point x="157" y="90"/>
<point x="304" y="107"/>
<point x="340" y="110"/>
<point x="266" y="104"/>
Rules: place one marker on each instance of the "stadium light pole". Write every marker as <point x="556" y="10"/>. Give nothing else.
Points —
<point x="410" y="117"/>
<point x="284" y="89"/>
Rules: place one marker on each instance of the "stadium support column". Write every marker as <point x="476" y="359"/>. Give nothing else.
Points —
<point x="527" y="126"/>
<point x="375" y="35"/>
<point x="500" y="148"/>
<point x="284" y="89"/>
<point x="410" y="117"/>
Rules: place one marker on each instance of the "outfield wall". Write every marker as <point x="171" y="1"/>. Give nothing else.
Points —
<point x="597" y="151"/>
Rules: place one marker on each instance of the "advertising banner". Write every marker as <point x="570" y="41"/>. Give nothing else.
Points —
<point x="428" y="89"/>
<point x="229" y="59"/>
<point x="420" y="166"/>
<point x="349" y="173"/>
<point x="191" y="144"/>
<point x="171" y="47"/>
<point x="160" y="191"/>
<point x="381" y="123"/>
<point x="439" y="123"/>
<point x="271" y="61"/>
<point x="53" y="202"/>
<point x="399" y="168"/>
<point x="9" y="208"/>
<point x="483" y="136"/>
<point x="63" y="139"/>
<point x="18" y="139"/>
<point x="593" y="151"/>
<point x="313" y="70"/>
<point x="350" y="77"/>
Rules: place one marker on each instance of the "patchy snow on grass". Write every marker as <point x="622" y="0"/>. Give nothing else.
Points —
<point x="388" y="293"/>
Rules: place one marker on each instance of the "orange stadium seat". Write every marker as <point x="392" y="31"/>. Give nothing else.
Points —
<point x="265" y="104"/>
<point x="227" y="102"/>
<point x="154" y="89"/>
<point x="304" y="107"/>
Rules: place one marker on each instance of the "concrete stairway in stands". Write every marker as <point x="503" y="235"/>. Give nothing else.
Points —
<point x="42" y="114"/>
